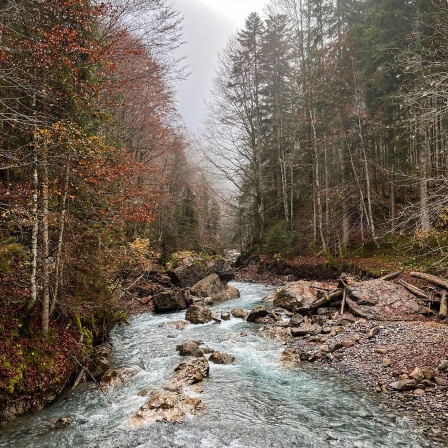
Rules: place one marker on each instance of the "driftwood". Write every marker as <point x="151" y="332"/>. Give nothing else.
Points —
<point x="417" y="291"/>
<point x="443" y="306"/>
<point x="336" y="294"/>
<point x="392" y="275"/>
<point x="431" y="279"/>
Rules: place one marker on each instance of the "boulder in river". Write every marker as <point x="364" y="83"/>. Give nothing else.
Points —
<point x="190" y="348"/>
<point x="188" y="268"/>
<point x="178" y="324"/>
<point x="221" y="358"/>
<point x="383" y="300"/>
<point x="239" y="313"/>
<point x="165" y="406"/>
<point x="212" y="286"/>
<point x="197" y="314"/>
<point x="261" y="315"/>
<point x="257" y="313"/>
<point x="170" y="300"/>
<point x="187" y="373"/>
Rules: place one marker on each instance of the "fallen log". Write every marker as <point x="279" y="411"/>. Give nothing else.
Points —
<point x="416" y="291"/>
<point x="431" y="279"/>
<point x="392" y="275"/>
<point x="327" y="298"/>
<point x="443" y="306"/>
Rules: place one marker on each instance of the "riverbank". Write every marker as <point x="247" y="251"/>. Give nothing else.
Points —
<point x="373" y="353"/>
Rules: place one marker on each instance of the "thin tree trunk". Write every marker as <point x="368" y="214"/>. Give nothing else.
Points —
<point x="58" y="261"/>
<point x="45" y="242"/>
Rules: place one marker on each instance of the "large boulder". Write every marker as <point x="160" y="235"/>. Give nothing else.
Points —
<point x="165" y="406"/>
<point x="187" y="268"/>
<point x="257" y="313"/>
<point x="212" y="287"/>
<point x="190" y="348"/>
<point x="198" y="314"/>
<point x="173" y="299"/>
<point x="172" y="404"/>
<point x="383" y="300"/>
<point x="187" y="373"/>
<point x="261" y="315"/>
<point x="296" y="297"/>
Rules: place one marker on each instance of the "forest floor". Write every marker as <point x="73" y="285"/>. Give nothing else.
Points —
<point x="375" y="362"/>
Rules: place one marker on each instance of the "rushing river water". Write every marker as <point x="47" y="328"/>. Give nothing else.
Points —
<point x="255" y="403"/>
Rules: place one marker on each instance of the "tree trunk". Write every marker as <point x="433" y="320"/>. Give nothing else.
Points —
<point x="431" y="279"/>
<point x="58" y="261"/>
<point x="443" y="306"/>
<point x="45" y="242"/>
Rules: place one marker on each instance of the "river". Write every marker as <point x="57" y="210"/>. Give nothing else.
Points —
<point x="257" y="402"/>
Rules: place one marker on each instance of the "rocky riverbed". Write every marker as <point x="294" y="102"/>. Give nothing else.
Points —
<point x="402" y="357"/>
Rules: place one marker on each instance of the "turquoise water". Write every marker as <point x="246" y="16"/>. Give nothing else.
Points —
<point x="257" y="402"/>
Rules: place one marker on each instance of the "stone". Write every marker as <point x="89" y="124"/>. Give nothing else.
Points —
<point x="118" y="377"/>
<point x="417" y="374"/>
<point x="190" y="348"/>
<point x="382" y="351"/>
<point x="443" y="365"/>
<point x="172" y="299"/>
<point x="296" y="320"/>
<point x="383" y="300"/>
<point x="428" y="373"/>
<point x="197" y="314"/>
<point x="165" y="406"/>
<point x="239" y="313"/>
<point x="296" y="297"/>
<point x="403" y="385"/>
<point x="221" y="358"/>
<point x="440" y="381"/>
<point x="257" y="313"/>
<point x="306" y="329"/>
<point x="280" y="333"/>
<point x="419" y="392"/>
<point x="324" y="348"/>
<point x="346" y="319"/>
<point x="60" y="422"/>
<point x="191" y="372"/>
<point x="289" y="356"/>
<point x="348" y="343"/>
<point x="337" y="330"/>
<point x="178" y="324"/>
<point x="225" y="316"/>
<point x="373" y="332"/>
<point x="387" y="362"/>
<point x="230" y="292"/>
<point x="212" y="287"/>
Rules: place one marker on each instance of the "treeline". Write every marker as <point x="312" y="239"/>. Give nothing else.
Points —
<point x="94" y="168"/>
<point x="329" y="117"/>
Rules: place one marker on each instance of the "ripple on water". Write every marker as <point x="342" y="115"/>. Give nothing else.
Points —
<point x="254" y="403"/>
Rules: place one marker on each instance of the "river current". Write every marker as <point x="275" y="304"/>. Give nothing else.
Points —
<point x="255" y="403"/>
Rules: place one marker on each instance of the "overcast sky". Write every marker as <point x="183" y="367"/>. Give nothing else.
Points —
<point x="208" y="24"/>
